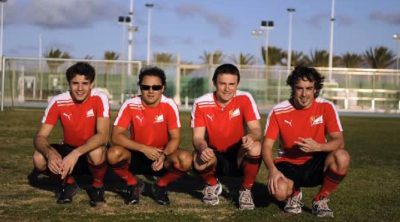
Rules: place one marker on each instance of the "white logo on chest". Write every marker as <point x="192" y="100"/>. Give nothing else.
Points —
<point x="90" y="113"/>
<point x="159" y="118"/>
<point x="210" y="116"/>
<point x="140" y="118"/>
<point x="288" y="122"/>
<point x="318" y="120"/>
<point x="68" y="115"/>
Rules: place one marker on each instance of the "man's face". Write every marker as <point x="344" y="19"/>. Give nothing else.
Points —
<point x="304" y="92"/>
<point x="226" y="86"/>
<point x="151" y="89"/>
<point x="79" y="88"/>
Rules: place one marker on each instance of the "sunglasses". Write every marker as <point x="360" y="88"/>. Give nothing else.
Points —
<point x="153" y="87"/>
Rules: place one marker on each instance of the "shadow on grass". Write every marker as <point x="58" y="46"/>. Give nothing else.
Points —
<point x="190" y="184"/>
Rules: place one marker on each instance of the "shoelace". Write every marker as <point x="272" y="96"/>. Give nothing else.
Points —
<point x="322" y="204"/>
<point x="210" y="191"/>
<point x="293" y="201"/>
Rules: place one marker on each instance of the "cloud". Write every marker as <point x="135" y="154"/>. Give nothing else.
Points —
<point x="388" y="18"/>
<point x="221" y="22"/>
<point x="323" y="19"/>
<point x="69" y="14"/>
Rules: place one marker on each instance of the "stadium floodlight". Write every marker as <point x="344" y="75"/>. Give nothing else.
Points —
<point x="149" y="6"/>
<point x="128" y="21"/>
<point x="266" y="26"/>
<point x="289" y="55"/>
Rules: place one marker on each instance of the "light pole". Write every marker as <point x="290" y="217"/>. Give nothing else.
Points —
<point x="128" y="21"/>
<point x="289" y="55"/>
<point x="266" y="26"/>
<point x="396" y="37"/>
<point x="149" y="7"/>
<point x="1" y="32"/>
<point x="124" y="21"/>
<point x="256" y="33"/>
<point x="331" y="41"/>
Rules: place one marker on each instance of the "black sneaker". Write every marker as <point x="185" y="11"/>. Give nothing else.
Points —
<point x="133" y="193"/>
<point x="96" y="196"/>
<point x="67" y="192"/>
<point x="160" y="194"/>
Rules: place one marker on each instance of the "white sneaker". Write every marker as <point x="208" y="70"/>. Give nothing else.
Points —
<point x="294" y="204"/>
<point x="211" y="194"/>
<point x="320" y="208"/>
<point x="245" y="200"/>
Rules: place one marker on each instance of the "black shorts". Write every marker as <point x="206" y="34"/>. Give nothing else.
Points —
<point x="81" y="166"/>
<point x="140" y="164"/>
<point x="227" y="162"/>
<point x="309" y="174"/>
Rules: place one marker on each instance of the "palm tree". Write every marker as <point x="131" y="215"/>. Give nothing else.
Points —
<point x="298" y="58"/>
<point x="56" y="54"/>
<point x="243" y="59"/>
<point x="351" y="60"/>
<point x="110" y="57"/>
<point x="163" y="57"/>
<point x="275" y="55"/>
<point x="216" y="57"/>
<point x="318" y="58"/>
<point x="379" y="57"/>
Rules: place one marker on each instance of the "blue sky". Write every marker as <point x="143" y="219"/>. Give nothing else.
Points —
<point x="190" y="27"/>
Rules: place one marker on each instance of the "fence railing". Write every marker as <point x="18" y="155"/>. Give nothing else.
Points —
<point x="32" y="81"/>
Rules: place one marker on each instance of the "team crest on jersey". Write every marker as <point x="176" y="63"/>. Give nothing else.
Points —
<point x="159" y="118"/>
<point x="316" y="120"/>
<point x="90" y="113"/>
<point x="234" y="113"/>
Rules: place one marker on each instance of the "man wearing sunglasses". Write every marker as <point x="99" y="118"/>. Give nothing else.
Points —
<point x="152" y="148"/>
<point x="226" y="136"/>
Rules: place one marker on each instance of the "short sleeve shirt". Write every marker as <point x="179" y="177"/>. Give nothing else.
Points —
<point x="149" y="125"/>
<point x="289" y="124"/>
<point x="225" y="126"/>
<point x="78" y="120"/>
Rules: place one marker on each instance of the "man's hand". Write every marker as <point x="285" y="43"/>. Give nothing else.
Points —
<point x="206" y="154"/>
<point x="68" y="163"/>
<point x="273" y="178"/>
<point x="308" y="145"/>
<point x="54" y="161"/>
<point x="159" y="163"/>
<point x="152" y="153"/>
<point x="247" y="142"/>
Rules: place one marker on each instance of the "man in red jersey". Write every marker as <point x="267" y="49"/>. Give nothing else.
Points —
<point x="223" y="145"/>
<point x="152" y="148"/>
<point x="84" y="116"/>
<point x="311" y="145"/>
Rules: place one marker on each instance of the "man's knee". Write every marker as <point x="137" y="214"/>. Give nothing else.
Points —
<point x="283" y="190"/>
<point x="115" y="154"/>
<point x="255" y="150"/>
<point x="39" y="161"/>
<point x="185" y="160"/>
<point x="97" y="156"/>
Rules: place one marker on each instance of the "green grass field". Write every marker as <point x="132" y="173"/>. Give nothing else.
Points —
<point x="370" y="192"/>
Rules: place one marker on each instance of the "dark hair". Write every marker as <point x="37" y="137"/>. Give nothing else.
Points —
<point x="225" y="69"/>
<point x="305" y="73"/>
<point x="152" y="71"/>
<point x="81" y="68"/>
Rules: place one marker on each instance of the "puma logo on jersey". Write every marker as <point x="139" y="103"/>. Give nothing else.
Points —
<point x="140" y="119"/>
<point x="210" y="116"/>
<point x="234" y="113"/>
<point x="159" y="118"/>
<point x="90" y="113"/>
<point x="318" y="120"/>
<point x="68" y="115"/>
<point x="288" y="122"/>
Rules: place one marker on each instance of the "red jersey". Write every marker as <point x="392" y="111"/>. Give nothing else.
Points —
<point x="290" y="124"/>
<point x="149" y="125"/>
<point x="225" y="126"/>
<point x="78" y="120"/>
